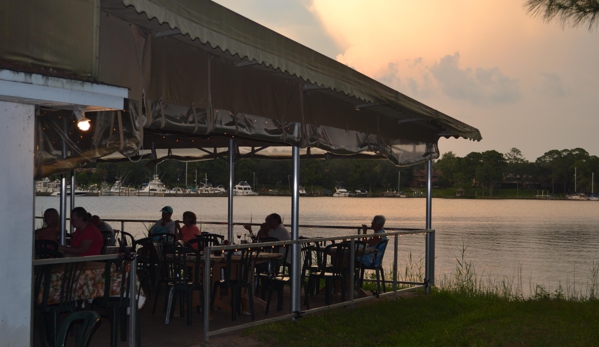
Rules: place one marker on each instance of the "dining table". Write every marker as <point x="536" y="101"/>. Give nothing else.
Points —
<point x="217" y="263"/>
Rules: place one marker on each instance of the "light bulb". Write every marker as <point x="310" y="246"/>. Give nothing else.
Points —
<point x="83" y="124"/>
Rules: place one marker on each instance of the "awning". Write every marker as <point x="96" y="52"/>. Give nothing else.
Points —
<point x="199" y="74"/>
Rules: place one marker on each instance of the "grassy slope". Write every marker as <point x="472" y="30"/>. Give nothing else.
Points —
<point x="444" y="319"/>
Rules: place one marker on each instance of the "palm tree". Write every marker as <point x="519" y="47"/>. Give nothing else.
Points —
<point x="569" y="12"/>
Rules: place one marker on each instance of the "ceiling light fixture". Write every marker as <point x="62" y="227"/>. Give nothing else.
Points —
<point x="82" y="121"/>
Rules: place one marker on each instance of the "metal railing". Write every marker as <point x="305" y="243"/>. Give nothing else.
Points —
<point x="425" y="283"/>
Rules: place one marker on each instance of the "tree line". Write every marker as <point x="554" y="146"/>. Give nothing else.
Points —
<point x="490" y="170"/>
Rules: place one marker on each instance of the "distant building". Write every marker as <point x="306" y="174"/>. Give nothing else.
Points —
<point x="420" y="178"/>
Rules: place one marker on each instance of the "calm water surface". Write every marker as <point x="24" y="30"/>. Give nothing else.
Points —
<point x="543" y="242"/>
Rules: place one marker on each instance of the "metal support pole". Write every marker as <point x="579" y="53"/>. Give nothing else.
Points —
<point x="132" y="301"/>
<point x="231" y="177"/>
<point x="296" y="302"/>
<point x="429" y="275"/>
<point x="72" y="196"/>
<point x="63" y="190"/>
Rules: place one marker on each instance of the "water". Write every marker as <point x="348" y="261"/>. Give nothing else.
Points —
<point x="543" y="242"/>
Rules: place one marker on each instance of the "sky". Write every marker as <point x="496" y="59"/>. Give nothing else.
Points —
<point x="521" y="81"/>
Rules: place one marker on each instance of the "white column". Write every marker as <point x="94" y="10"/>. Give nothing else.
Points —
<point x="17" y="216"/>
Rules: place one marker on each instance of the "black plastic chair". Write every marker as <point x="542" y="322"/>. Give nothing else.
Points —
<point x="183" y="280"/>
<point x="336" y="266"/>
<point x="126" y="240"/>
<point x="238" y="276"/>
<point x="107" y="237"/>
<point x="116" y="306"/>
<point x="278" y="276"/>
<point x="48" y="312"/>
<point x="377" y="266"/>
<point x="86" y="321"/>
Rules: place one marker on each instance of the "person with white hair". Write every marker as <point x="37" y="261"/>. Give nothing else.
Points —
<point x="377" y="224"/>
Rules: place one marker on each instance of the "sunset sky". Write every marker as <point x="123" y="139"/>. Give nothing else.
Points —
<point x="522" y="82"/>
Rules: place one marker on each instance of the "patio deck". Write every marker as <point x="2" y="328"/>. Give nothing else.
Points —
<point x="178" y="334"/>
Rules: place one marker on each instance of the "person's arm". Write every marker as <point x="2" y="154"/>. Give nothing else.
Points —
<point x="83" y="247"/>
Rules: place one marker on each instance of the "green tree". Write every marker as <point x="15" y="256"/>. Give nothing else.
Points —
<point x="490" y="169"/>
<point x="448" y="165"/>
<point x="568" y="12"/>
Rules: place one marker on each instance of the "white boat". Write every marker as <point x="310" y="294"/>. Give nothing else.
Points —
<point x="207" y="188"/>
<point x="243" y="189"/>
<point x="341" y="192"/>
<point x="577" y="196"/>
<point x="176" y="190"/>
<point x="118" y="189"/>
<point x="301" y="190"/>
<point x="154" y="187"/>
<point x="361" y="192"/>
<point x="45" y="186"/>
<point x="78" y="192"/>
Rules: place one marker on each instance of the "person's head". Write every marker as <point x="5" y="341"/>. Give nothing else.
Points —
<point x="274" y="220"/>
<point x="167" y="212"/>
<point x="95" y="220"/>
<point x="51" y="217"/>
<point x="378" y="222"/>
<point x="189" y="217"/>
<point x="79" y="217"/>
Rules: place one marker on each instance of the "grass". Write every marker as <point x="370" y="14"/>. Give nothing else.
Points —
<point x="444" y="318"/>
<point x="461" y="311"/>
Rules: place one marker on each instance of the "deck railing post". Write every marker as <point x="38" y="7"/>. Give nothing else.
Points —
<point x="132" y="301"/>
<point x="207" y="294"/>
<point x="395" y="269"/>
<point x="429" y="275"/>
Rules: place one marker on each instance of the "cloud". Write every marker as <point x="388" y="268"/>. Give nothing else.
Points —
<point x="479" y="86"/>
<point x="552" y="85"/>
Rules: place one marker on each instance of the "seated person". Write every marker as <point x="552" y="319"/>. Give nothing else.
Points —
<point x="262" y="233"/>
<point x="189" y="229"/>
<point x="87" y="239"/>
<point x="51" y="228"/>
<point x="377" y="224"/>
<point x="164" y="225"/>
<point x="277" y="229"/>
<point x="103" y="226"/>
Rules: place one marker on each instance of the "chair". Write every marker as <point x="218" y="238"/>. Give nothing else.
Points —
<point x="126" y="240"/>
<point x="277" y="276"/>
<point x="266" y="270"/>
<point x="208" y="240"/>
<point x="336" y="266"/>
<point x="377" y="266"/>
<point x="168" y="238"/>
<point x="107" y="237"/>
<point x="183" y="279"/>
<point x="116" y="306"/>
<point x="238" y="276"/>
<point x="48" y="313"/>
<point x="86" y="320"/>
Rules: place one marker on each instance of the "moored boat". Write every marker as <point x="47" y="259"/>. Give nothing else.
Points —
<point x="341" y="192"/>
<point x="243" y="189"/>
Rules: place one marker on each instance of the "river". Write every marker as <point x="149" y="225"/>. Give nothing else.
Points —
<point x="537" y="242"/>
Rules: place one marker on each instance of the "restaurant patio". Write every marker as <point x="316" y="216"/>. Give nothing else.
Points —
<point x="186" y="80"/>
